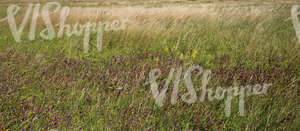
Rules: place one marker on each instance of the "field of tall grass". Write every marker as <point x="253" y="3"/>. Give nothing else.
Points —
<point x="55" y="84"/>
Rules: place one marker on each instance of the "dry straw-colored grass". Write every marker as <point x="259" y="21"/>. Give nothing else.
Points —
<point x="154" y="17"/>
<point x="142" y="14"/>
<point x="151" y="20"/>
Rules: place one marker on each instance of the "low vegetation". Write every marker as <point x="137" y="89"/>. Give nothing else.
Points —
<point x="52" y="84"/>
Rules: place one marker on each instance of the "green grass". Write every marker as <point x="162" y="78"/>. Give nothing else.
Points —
<point x="52" y="84"/>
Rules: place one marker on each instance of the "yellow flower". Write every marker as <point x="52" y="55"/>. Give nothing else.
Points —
<point x="156" y="60"/>
<point x="194" y="53"/>
<point x="166" y="49"/>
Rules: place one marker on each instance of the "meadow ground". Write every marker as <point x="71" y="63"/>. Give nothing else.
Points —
<point x="53" y="84"/>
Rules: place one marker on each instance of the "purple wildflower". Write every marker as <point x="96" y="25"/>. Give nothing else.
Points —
<point x="4" y="88"/>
